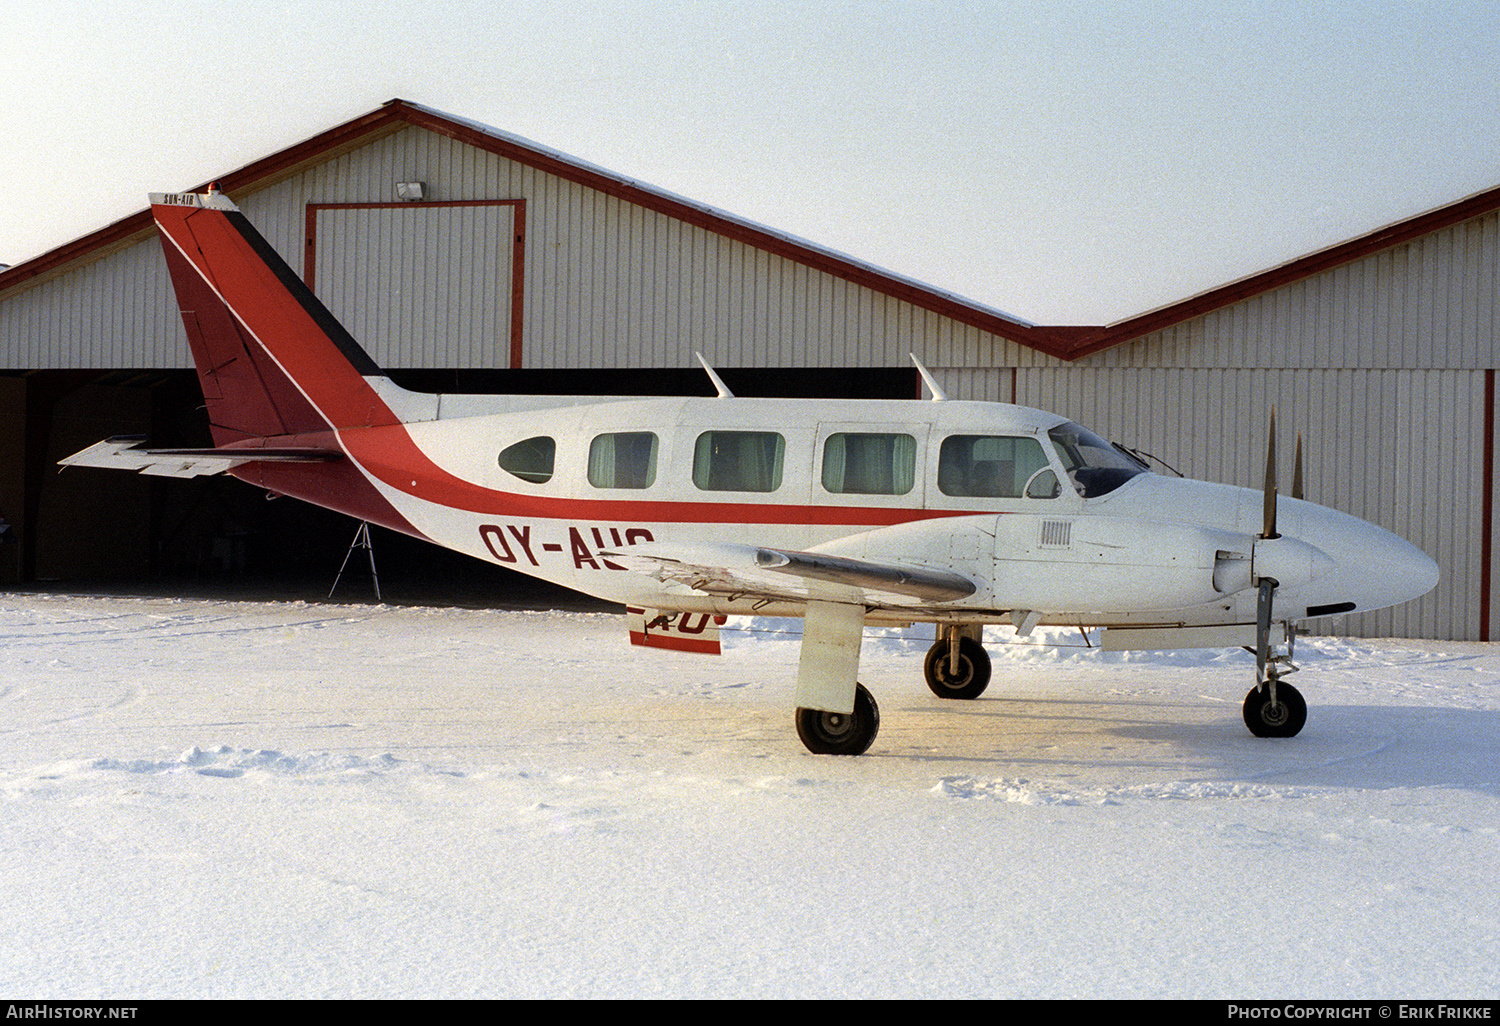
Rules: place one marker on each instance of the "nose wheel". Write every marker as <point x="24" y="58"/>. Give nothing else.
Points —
<point x="1275" y="709"/>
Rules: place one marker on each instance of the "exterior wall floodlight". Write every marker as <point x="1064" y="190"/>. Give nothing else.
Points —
<point x="411" y="190"/>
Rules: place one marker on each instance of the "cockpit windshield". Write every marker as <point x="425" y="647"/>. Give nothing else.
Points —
<point x="1094" y="466"/>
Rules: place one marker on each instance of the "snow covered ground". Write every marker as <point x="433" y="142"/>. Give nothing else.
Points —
<point x="208" y="798"/>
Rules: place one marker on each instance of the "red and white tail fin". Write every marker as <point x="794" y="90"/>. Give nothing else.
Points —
<point x="279" y="373"/>
<point x="271" y="358"/>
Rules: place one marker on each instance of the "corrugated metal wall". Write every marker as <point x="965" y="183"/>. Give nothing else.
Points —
<point x="419" y="285"/>
<point x="1432" y="304"/>
<point x="114" y="312"/>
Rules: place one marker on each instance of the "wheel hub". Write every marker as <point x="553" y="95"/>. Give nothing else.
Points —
<point x="1275" y="714"/>
<point x="956" y="680"/>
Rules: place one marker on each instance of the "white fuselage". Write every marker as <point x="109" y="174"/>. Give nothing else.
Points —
<point x="566" y="490"/>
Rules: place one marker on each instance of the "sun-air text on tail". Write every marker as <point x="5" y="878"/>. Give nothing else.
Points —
<point x="842" y="512"/>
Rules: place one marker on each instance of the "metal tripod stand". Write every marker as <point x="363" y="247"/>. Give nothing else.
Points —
<point x="361" y="541"/>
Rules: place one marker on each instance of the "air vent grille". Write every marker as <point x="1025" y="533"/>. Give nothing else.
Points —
<point x="1057" y="534"/>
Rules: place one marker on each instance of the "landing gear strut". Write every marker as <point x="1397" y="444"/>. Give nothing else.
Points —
<point x="957" y="666"/>
<point x="826" y="733"/>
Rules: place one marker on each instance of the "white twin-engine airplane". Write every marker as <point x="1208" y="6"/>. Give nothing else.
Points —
<point x="842" y="512"/>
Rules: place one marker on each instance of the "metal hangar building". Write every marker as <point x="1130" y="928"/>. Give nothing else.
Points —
<point x="466" y="259"/>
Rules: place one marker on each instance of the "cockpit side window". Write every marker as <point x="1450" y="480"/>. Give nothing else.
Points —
<point x="989" y="466"/>
<point x="1094" y="466"/>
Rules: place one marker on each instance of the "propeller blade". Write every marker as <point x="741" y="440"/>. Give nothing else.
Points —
<point x="1269" y="530"/>
<point x="1297" y="470"/>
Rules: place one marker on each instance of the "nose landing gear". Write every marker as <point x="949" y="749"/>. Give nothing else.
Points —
<point x="1274" y="708"/>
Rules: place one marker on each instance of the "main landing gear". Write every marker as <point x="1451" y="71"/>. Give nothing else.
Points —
<point x="957" y="666"/>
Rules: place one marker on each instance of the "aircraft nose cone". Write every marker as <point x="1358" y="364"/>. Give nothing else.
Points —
<point x="1411" y="571"/>
<point x="1375" y="568"/>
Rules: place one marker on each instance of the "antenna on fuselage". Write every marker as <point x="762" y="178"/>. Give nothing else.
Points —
<point x="938" y="395"/>
<point x="724" y="392"/>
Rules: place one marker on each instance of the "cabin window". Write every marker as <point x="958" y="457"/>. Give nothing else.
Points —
<point x="990" y="466"/>
<point x="623" y="460"/>
<point x="1095" y="467"/>
<point x="531" y="459"/>
<point x="869" y="464"/>
<point x="738" y="461"/>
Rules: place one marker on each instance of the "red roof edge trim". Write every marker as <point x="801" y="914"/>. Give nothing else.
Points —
<point x="1389" y="237"/>
<point x="96" y="243"/>
<point x="1062" y="341"/>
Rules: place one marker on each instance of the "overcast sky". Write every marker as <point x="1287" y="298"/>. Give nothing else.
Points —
<point x="1066" y="162"/>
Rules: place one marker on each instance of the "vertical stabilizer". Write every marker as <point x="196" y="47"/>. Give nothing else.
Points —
<point x="276" y="368"/>
<point x="271" y="358"/>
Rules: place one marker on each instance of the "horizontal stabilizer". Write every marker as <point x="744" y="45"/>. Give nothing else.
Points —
<point x="130" y="452"/>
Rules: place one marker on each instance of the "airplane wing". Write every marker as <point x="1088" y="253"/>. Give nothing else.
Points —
<point x="129" y="452"/>
<point x="751" y="570"/>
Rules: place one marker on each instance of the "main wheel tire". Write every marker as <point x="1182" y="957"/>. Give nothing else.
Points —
<point x="826" y="733"/>
<point x="973" y="669"/>
<point x="1284" y="719"/>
